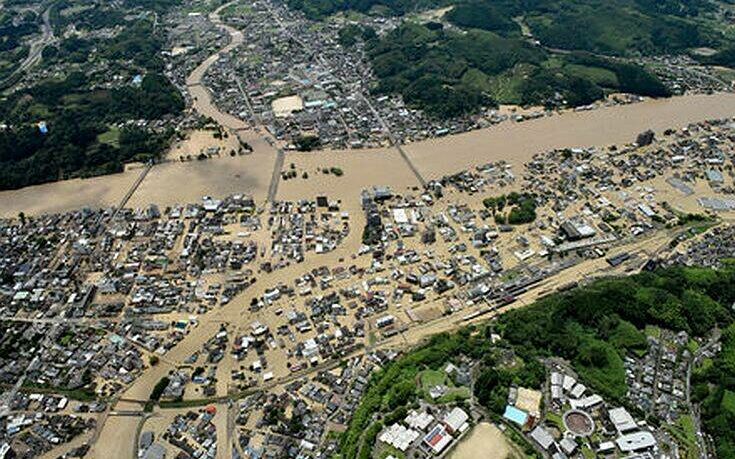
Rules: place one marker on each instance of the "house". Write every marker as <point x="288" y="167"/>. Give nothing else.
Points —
<point x="542" y="437"/>
<point x="575" y="231"/>
<point x="586" y="403"/>
<point x="568" y="445"/>
<point x="399" y="437"/>
<point x="578" y="390"/>
<point x="146" y="440"/>
<point x="155" y="451"/>
<point x="6" y="452"/>
<point x="456" y="420"/>
<point x="419" y="421"/>
<point x="437" y="439"/>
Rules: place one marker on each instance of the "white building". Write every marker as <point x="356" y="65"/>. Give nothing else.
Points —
<point x="456" y="420"/>
<point x="637" y="441"/>
<point x="622" y="420"/>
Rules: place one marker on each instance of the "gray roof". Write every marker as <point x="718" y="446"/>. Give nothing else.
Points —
<point x="155" y="451"/>
<point x="542" y="437"/>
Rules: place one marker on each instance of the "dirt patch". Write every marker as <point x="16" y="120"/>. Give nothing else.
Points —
<point x="485" y="441"/>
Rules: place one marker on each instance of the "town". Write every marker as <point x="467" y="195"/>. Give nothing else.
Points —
<point x="96" y="300"/>
<point x="293" y="258"/>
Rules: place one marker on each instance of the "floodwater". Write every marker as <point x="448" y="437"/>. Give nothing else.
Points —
<point x="518" y="142"/>
<point x="514" y="142"/>
<point x="361" y="168"/>
<point x="179" y="183"/>
<point x="67" y="195"/>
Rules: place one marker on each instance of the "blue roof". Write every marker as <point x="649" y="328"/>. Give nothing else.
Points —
<point x="514" y="414"/>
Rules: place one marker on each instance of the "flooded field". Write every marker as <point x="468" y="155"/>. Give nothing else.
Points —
<point x="181" y="183"/>
<point x="361" y="169"/>
<point x="114" y="440"/>
<point x="67" y="195"/>
<point x="202" y="141"/>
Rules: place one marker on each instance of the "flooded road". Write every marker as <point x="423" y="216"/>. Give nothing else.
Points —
<point x="259" y="166"/>
<point x="201" y="97"/>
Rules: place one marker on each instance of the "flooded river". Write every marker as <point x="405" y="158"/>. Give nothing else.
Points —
<point x="518" y="142"/>
<point x="514" y="142"/>
<point x="176" y="183"/>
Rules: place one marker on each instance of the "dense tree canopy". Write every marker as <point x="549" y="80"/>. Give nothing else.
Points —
<point x="75" y="118"/>
<point x="613" y="27"/>
<point x="448" y="74"/>
<point x="593" y="327"/>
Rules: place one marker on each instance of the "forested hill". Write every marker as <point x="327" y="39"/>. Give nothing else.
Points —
<point x="617" y="27"/>
<point x="82" y="137"/>
<point x="593" y="327"/>
<point x="447" y="73"/>
<point x="530" y="52"/>
<point x="96" y="99"/>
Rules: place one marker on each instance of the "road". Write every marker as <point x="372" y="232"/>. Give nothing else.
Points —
<point x="585" y="271"/>
<point x="35" y="54"/>
<point x="132" y="189"/>
<point x="280" y="154"/>
<point x="139" y="391"/>
<point x="234" y="311"/>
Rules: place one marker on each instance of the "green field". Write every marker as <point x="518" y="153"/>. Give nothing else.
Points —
<point x="432" y="378"/>
<point x="110" y="137"/>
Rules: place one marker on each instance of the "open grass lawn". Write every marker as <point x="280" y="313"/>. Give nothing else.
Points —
<point x="431" y="378"/>
<point x="692" y="346"/>
<point x="110" y="137"/>
<point x="728" y="401"/>
<point x="556" y="420"/>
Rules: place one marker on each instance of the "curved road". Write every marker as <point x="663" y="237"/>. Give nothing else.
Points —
<point x="37" y="47"/>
